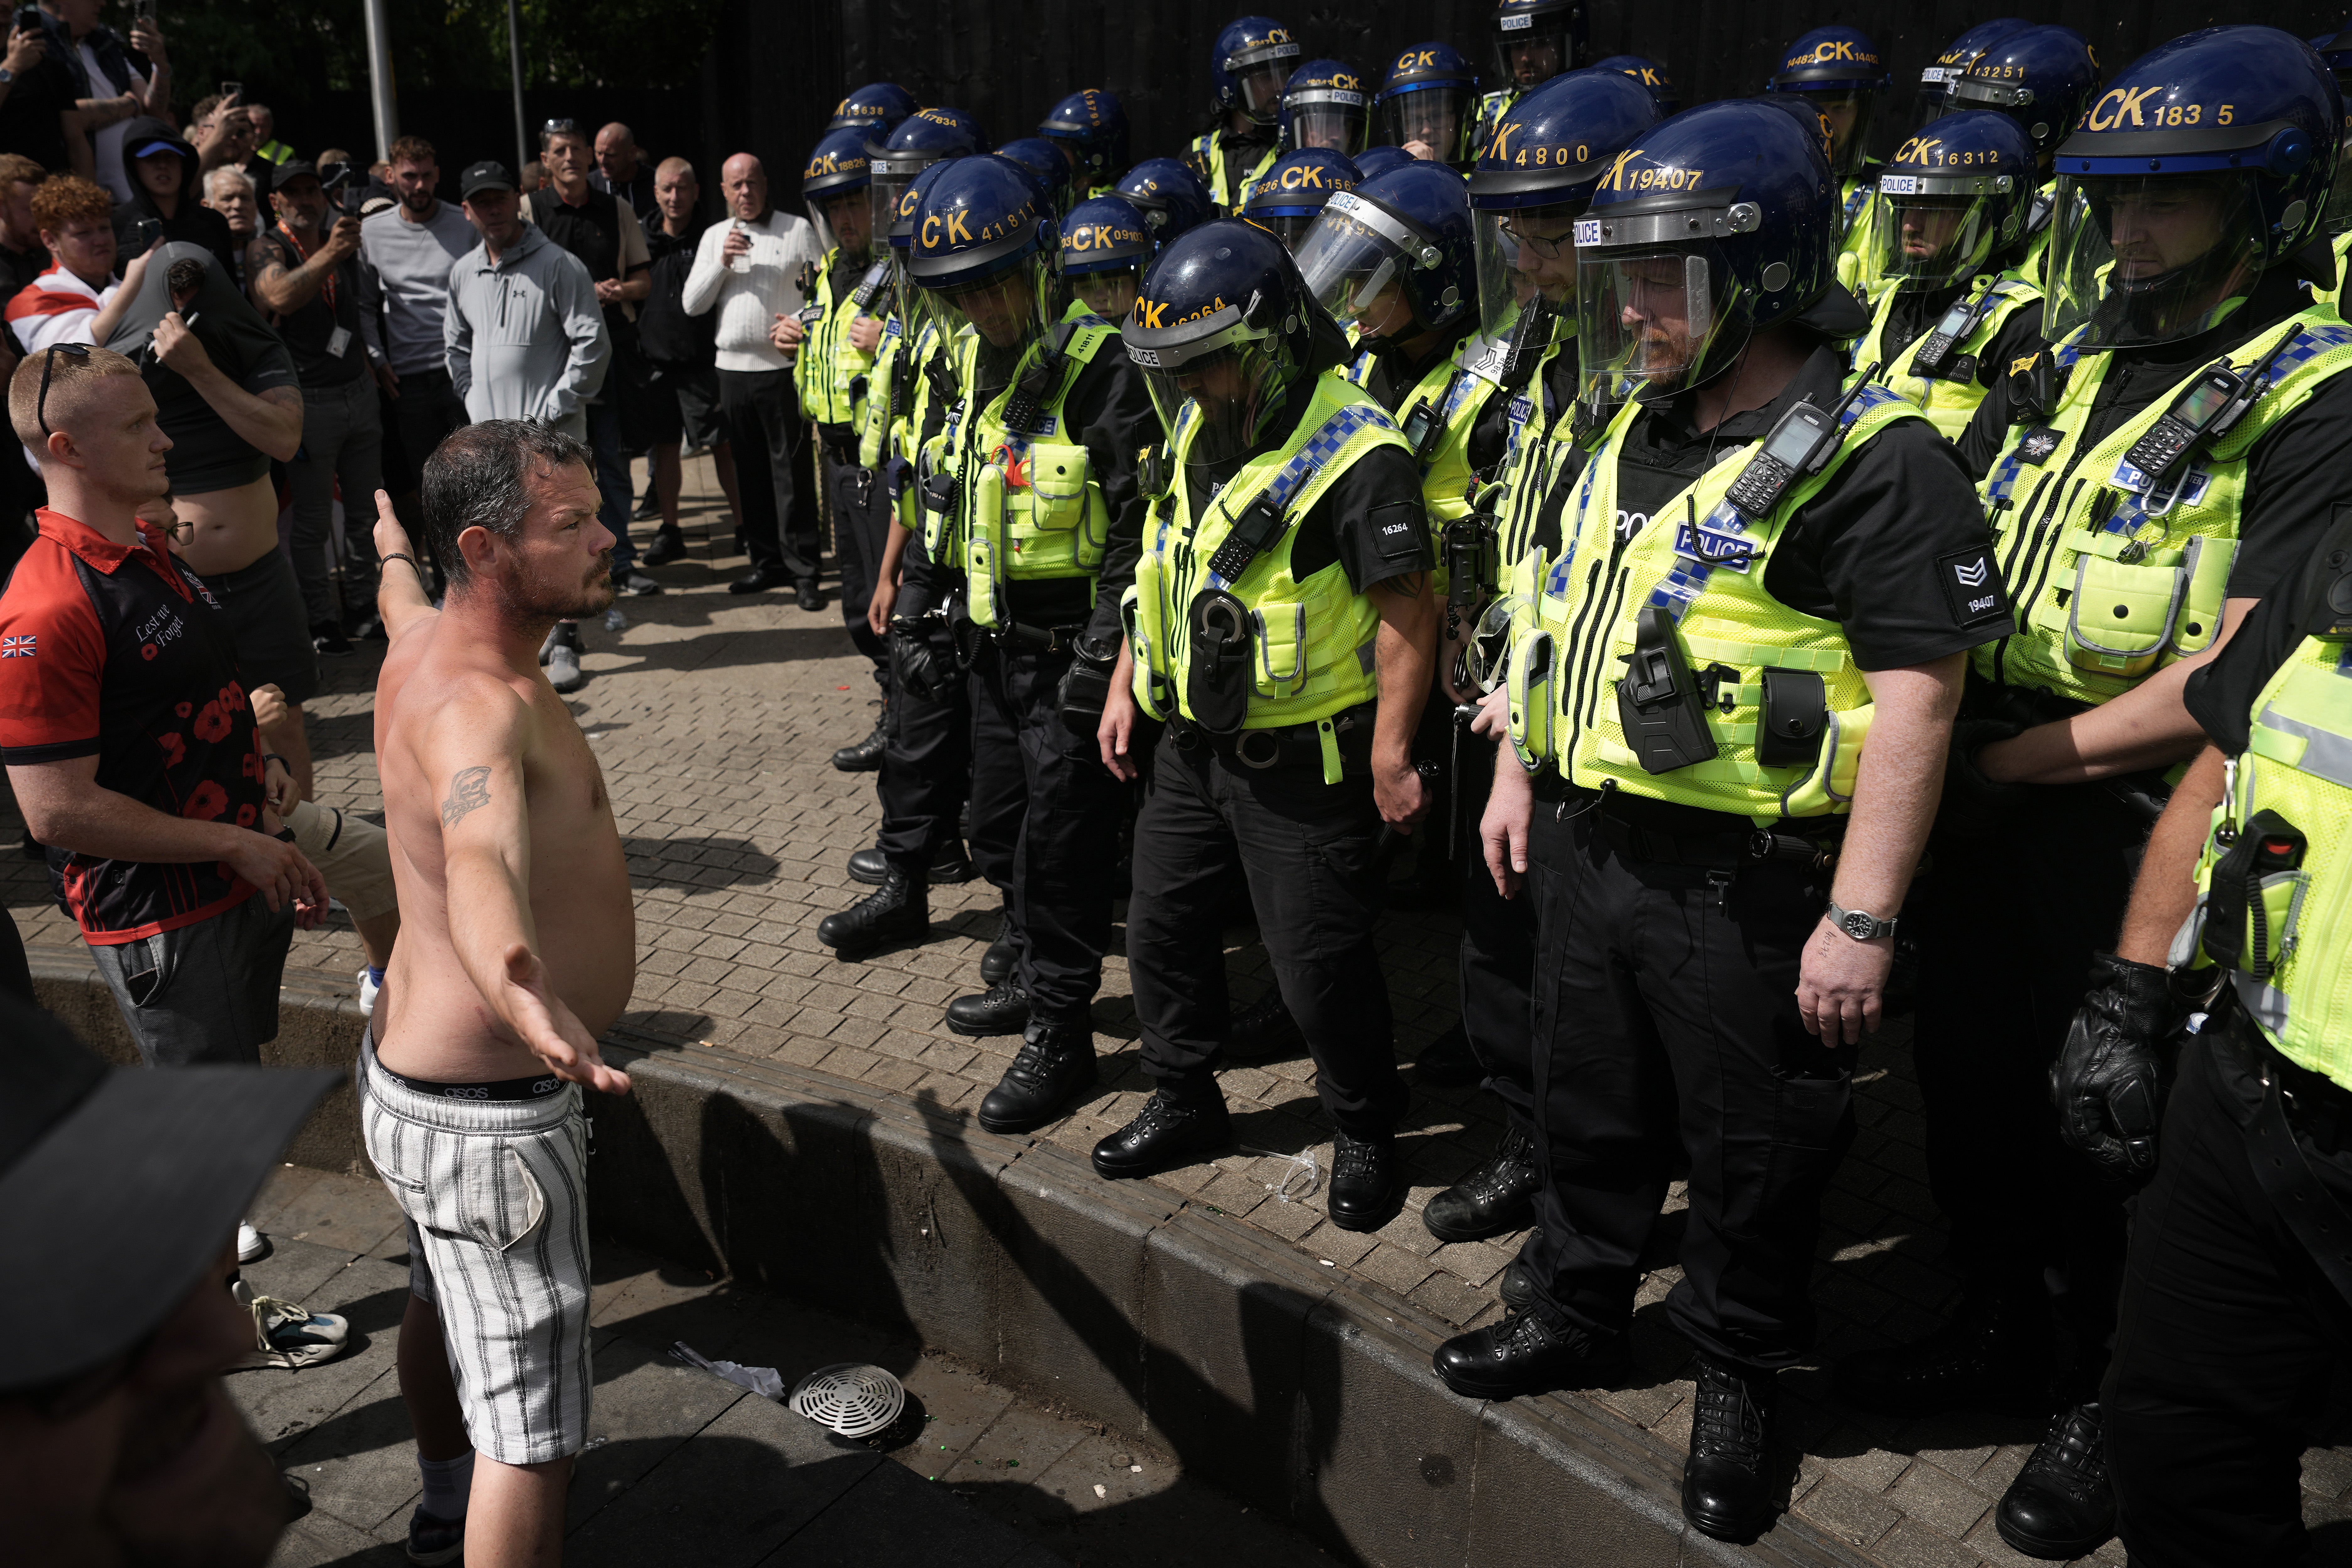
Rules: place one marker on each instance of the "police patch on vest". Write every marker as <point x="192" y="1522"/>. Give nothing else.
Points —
<point x="2127" y="477"/>
<point x="1972" y="583"/>
<point x="1705" y="544"/>
<point x="2039" y="443"/>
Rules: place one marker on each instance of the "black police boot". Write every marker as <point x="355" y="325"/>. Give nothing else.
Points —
<point x="1516" y="1288"/>
<point x="1055" y="1062"/>
<point x="1167" y="1132"/>
<point x="997" y="962"/>
<point x="1367" y="1183"/>
<point x="866" y="755"/>
<point x="1995" y="1355"/>
<point x="1499" y="1195"/>
<point x="1447" y="1062"/>
<point x="1524" y="1354"/>
<point x="668" y="545"/>
<point x="949" y="865"/>
<point x="2061" y="1506"/>
<point x="1261" y="1029"/>
<point x="895" y="912"/>
<point x="1002" y="1009"/>
<point x="1726" y="1487"/>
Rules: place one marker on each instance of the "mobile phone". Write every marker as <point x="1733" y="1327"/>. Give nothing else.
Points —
<point x="28" y="19"/>
<point x="232" y="88"/>
<point x="143" y="11"/>
<point x="144" y="233"/>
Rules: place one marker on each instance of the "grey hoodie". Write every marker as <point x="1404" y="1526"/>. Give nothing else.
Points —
<point x="526" y="338"/>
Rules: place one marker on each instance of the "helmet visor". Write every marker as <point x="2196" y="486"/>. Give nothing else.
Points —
<point x="1649" y="321"/>
<point x="2150" y="258"/>
<point x="2338" y="216"/>
<point x="1289" y="227"/>
<point x="844" y="219"/>
<point x="1325" y="121"/>
<point x="1108" y="294"/>
<point x="1225" y="394"/>
<point x="1007" y="310"/>
<point x="1932" y="102"/>
<point x="1258" y="90"/>
<point x="1353" y="260"/>
<point x="1931" y="233"/>
<point x="1847" y="109"/>
<point x="883" y="194"/>
<point x="1534" y="53"/>
<point x="1524" y="252"/>
<point x="1429" y="117"/>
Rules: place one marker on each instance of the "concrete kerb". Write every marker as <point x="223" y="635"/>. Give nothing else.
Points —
<point x="1306" y="1393"/>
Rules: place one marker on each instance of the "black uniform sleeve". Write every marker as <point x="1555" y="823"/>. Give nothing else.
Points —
<point x="2222" y="691"/>
<point x="1896" y="550"/>
<point x="2293" y="486"/>
<point x="2019" y="337"/>
<point x="1370" y="520"/>
<point x="1111" y="414"/>
<point x="1988" y="430"/>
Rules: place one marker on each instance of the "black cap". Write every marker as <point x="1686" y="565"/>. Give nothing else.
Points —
<point x="279" y="174"/>
<point x="126" y="1182"/>
<point x="484" y="176"/>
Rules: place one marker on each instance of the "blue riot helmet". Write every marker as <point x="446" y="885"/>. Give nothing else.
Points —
<point x="1395" y="256"/>
<point x="874" y="108"/>
<point x="1935" y="80"/>
<point x="833" y="184"/>
<point x="2205" y="163"/>
<point x="1374" y="161"/>
<point x="2043" y="78"/>
<point x="1649" y="74"/>
<point x="1169" y="194"/>
<point x="1289" y="197"/>
<point x="1104" y="249"/>
<point x="921" y="140"/>
<point x="1324" y="104"/>
<point x="1225" y="324"/>
<point x="982" y="250"/>
<point x="1719" y="223"/>
<point x="2335" y="53"/>
<point x="1045" y="160"/>
<point x="1535" y="40"/>
<point x="1252" y="57"/>
<point x="1806" y="113"/>
<point x="1090" y="128"/>
<point x="1427" y="97"/>
<point x="915" y="301"/>
<point x="1839" y="69"/>
<point x="1953" y="201"/>
<point x="1535" y="178"/>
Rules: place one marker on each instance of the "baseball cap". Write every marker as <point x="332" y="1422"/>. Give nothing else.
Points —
<point x="486" y="175"/>
<point x="281" y="175"/>
<point x="125" y="1182"/>
<point x="158" y="145"/>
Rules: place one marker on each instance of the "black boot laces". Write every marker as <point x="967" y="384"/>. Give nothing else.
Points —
<point x="1039" y="1056"/>
<point x="1353" y="1158"/>
<point x="1158" y="1111"/>
<point x="1729" y="1421"/>
<point x="1512" y="1163"/>
<point x="2073" y="1454"/>
<point x="885" y="899"/>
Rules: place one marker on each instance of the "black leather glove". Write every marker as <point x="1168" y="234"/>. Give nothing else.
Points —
<point x="1973" y="805"/>
<point x="1086" y="687"/>
<point x="2110" y="1078"/>
<point x="922" y="668"/>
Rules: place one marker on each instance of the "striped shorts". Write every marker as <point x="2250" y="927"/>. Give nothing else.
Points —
<point x="496" y="1193"/>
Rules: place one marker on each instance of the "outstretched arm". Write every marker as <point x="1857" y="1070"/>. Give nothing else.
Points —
<point x="474" y="756"/>
<point x="401" y="601"/>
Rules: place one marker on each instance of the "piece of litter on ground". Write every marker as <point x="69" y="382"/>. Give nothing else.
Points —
<point x="1137" y="1470"/>
<point x="615" y="621"/>
<point x="841" y="689"/>
<point x="1300" y="1180"/>
<point x="1327" y="1263"/>
<point x="598" y="1442"/>
<point x="1099" y="1489"/>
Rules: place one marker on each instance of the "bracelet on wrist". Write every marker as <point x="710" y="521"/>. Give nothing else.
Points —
<point x="269" y="757"/>
<point x="412" y="566"/>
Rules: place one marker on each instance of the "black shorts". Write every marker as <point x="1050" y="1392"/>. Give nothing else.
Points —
<point x="273" y="637"/>
<point x="684" y="406"/>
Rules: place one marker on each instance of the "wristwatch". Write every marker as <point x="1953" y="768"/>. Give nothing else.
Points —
<point x="6" y="76"/>
<point x="1859" y="924"/>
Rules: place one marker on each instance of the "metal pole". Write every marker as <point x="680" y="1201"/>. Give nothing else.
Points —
<point x="514" y="58"/>
<point x="380" y="82"/>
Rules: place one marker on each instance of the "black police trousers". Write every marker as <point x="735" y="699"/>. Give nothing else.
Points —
<point x="857" y="505"/>
<point x="1044" y="827"/>
<point x="2007" y="924"/>
<point x="927" y="769"/>
<point x="1498" y="954"/>
<point x="1665" y="1015"/>
<point x="1308" y="849"/>
<point x="2229" y="1335"/>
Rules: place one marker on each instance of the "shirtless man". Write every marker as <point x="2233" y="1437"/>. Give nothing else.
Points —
<point x="517" y="948"/>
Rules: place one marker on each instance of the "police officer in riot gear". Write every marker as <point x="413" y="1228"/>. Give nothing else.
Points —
<point x="1033" y="492"/>
<point x="1393" y="259"/>
<point x="2169" y="455"/>
<point x="830" y="375"/>
<point x="1169" y="194"/>
<point x="2043" y="78"/>
<point x="1746" y="585"/>
<point x="1948" y="320"/>
<point x="1325" y="104"/>
<point x="1837" y="69"/>
<point x="1428" y="104"/>
<point x="1289" y="199"/>
<point x="1105" y="247"/>
<point x="1933" y="101"/>
<point x="1252" y="58"/>
<point x="1281" y="624"/>
<point x="1535" y="40"/>
<point x="1090" y="128"/>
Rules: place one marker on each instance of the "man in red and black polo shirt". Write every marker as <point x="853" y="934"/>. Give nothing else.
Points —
<point x="127" y="736"/>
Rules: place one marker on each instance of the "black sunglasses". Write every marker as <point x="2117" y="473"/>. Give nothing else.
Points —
<point x="49" y="363"/>
<point x="558" y="127"/>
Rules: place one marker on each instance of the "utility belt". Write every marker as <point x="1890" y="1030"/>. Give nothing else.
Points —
<point x="2288" y="1113"/>
<point x="1336" y="747"/>
<point x="1038" y="640"/>
<point x="839" y="441"/>
<point x="1711" y="839"/>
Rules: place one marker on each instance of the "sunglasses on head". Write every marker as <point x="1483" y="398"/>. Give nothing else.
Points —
<point x="560" y="127"/>
<point x="49" y="364"/>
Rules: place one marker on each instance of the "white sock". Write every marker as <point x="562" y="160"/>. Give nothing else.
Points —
<point x="447" y="1484"/>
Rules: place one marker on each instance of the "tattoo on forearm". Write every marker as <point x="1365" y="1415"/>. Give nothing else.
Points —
<point x="469" y="789"/>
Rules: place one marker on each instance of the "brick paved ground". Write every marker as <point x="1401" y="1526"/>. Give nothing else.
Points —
<point x="713" y="718"/>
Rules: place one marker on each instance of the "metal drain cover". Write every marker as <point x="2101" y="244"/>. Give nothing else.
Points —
<point x="853" y="1400"/>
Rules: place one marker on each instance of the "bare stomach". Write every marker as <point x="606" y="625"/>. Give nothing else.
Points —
<point x="431" y="1023"/>
<point x="234" y="528"/>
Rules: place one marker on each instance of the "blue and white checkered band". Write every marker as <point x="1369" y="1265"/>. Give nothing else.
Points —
<point x="1719" y="541"/>
<point x="1466" y="386"/>
<point x="891" y="329"/>
<point x="1854" y="201"/>
<point x="1308" y="462"/>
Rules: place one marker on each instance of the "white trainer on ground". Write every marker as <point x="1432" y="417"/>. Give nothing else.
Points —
<point x="249" y="1244"/>
<point x="288" y="1334"/>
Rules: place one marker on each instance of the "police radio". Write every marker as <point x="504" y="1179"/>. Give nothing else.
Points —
<point x="870" y="288"/>
<point x="1801" y="444"/>
<point x="1039" y="381"/>
<point x="1473" y="562"/>
<point x="1934" y="356"/>
<point x="2201" y="414"/>
<point x="1421" y="427"/>
<point x="1529" y="337"/>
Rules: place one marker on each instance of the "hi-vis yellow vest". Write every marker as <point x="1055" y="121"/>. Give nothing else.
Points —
<point x="1948" y="401"/>
<point x="1703" y="562"/>
<point x="2292" y="972"/>
<point x="879" y="416"/>
<point x="1312" y="640"/>
<point x="1540" y="446"/>
<point x="2105" y="592"/>
<point x="2342" y="246"/>
<point x="1028" y="505"/>
<point x="830" y="372"/>
<point x="1860" y="216"/>
<point x="1228" y="182"/>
